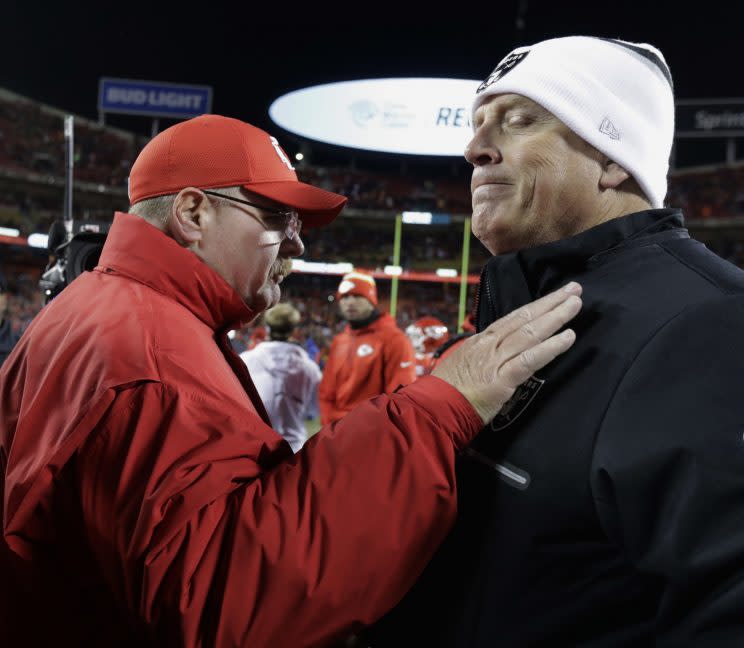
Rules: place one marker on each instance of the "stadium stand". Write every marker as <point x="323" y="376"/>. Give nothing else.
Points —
<point x="32" y="190"/>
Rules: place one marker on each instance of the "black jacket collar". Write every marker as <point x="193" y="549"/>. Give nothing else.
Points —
<point x="516" y="278"/>
<point x="373" y="317"/>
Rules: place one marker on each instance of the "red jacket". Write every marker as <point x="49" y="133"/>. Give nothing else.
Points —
<point x="146" y="500"/>
<point x="363" y="363"/>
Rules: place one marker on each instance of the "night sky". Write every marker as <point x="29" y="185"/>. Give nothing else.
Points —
<point x="250" y="57"/>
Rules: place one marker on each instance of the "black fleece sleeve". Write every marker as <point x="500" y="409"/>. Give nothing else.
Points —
<point x="668" y="472"/>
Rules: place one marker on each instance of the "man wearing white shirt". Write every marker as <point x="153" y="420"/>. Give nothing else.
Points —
<point x="284" y="374"/>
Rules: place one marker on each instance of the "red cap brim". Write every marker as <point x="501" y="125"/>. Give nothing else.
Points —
<point x="316" y="206"/>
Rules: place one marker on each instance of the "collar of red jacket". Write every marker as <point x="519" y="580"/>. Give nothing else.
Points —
<point x="137" y="250"/>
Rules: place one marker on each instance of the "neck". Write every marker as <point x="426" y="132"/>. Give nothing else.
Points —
<point x="616" y="204"/>
<point x="357" y="324"/>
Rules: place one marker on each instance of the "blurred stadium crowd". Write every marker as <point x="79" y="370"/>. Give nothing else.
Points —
<point x="31" y="196"/>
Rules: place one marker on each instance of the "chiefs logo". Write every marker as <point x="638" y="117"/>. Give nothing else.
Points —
<point x="364" y="350"/>
<point x="280" y="152"/>
<point x="345" y="286"/>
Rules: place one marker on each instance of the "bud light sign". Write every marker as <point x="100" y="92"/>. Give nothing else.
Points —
<point x="154" y="99"/>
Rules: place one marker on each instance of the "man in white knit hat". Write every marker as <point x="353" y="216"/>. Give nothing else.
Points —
<point x="625" y="529"/>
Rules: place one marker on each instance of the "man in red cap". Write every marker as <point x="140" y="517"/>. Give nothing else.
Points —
<point x="369" y="357"/>
<point x="146" y="499"/>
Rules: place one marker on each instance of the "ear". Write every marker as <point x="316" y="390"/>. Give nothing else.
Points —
<point x="613" y="175"/>
<point x="186" y="217"/>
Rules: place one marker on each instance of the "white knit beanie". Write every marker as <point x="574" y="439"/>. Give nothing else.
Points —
<point x="617" y="96"/>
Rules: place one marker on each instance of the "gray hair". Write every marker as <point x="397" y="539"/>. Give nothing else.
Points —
<point x="157" y="210"/>
<point x="154" y="210"/>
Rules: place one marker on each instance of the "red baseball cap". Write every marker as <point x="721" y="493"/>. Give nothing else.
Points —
<point x="213" y="151"/>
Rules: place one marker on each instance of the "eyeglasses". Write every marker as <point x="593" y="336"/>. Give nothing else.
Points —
<point x="291" y="224"/>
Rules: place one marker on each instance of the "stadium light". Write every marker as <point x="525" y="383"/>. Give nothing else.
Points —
<point x="417" y="218"/>
<point x="9" y="231"/>
<point x="393" y="270"/>
<point x="446" y="272"/>
<point x="38" y="240"/>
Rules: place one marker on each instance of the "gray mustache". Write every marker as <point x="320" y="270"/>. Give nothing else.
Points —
<point x="283" y="267"/>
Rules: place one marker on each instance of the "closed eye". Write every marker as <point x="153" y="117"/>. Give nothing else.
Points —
<point x="518" y="120"/>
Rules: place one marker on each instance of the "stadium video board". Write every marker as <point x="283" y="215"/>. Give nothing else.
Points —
<point x="418" y="116"/>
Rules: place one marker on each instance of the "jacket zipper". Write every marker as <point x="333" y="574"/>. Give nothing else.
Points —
<point x="482" y="285"/>
<point x="510" y="474"/>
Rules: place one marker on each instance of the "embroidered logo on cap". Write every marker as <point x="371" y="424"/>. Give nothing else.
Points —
<point x="608" y="128"/>
<point x="346" y="286"/>
<point x="280" y="152"/>
<point x="507" y="65"/>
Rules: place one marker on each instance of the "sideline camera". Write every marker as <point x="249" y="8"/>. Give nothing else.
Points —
<point x="71" y="253"/>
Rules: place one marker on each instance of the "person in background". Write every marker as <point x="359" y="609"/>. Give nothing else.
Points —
<point x="238" y="340"/>
<point x="256" y="336"/>
<point x="8" y="338"/>
<point x="285" y="376"/>
<point x="447" y="348"/>
<point x="426" y="334"/>
<point x="371" y="356"/>
<point x="312" y="348"/>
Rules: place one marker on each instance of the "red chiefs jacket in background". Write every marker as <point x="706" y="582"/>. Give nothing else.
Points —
<point x="363" y="363"/>
<point x="146" y="500"/>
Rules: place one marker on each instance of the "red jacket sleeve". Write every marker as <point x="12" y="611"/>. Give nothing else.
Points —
<point x="207" y="543"/>
<point x="400" y="362"/>
<point x="327" y="388"/>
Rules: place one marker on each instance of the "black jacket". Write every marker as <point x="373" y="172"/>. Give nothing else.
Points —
<point x="608" y="507"/>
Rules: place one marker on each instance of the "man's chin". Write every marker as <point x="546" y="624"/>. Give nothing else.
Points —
<point x="266" y="299"/>
<point x="493" y="231"/>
